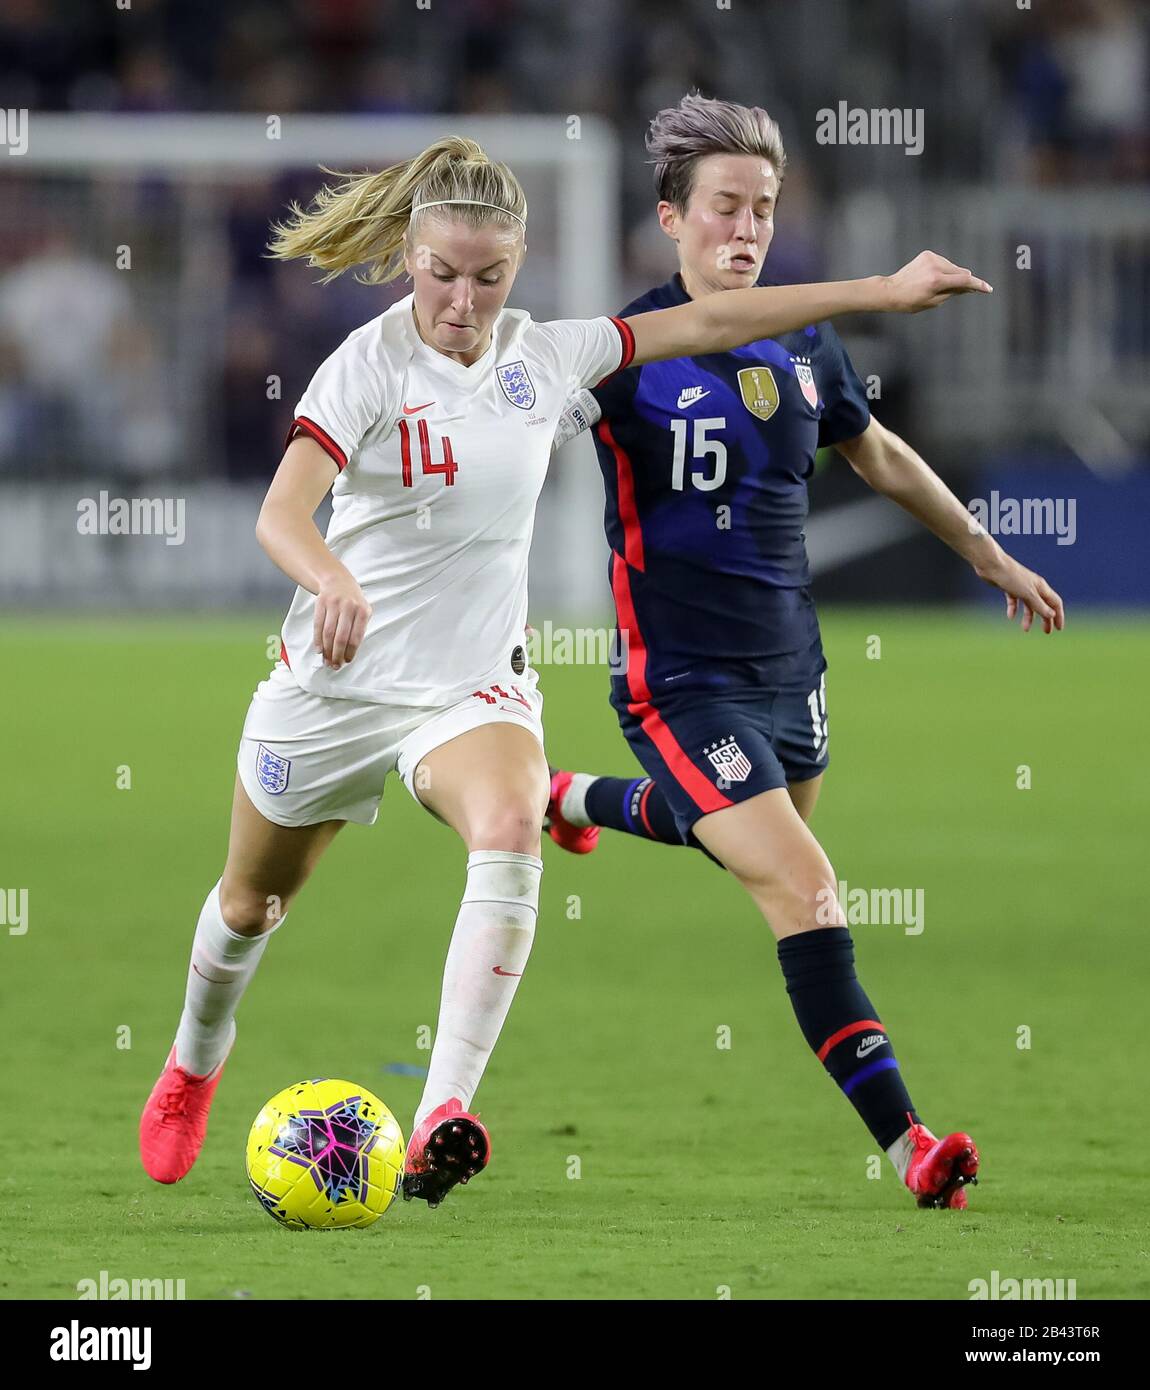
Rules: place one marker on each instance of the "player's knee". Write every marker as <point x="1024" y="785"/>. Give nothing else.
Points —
<point x="515" y="826"/>
<point x="813" y="903"/>
<point x="800" y="895"/>
<point x="823" y="901"/>
<point x="250" y="913"/>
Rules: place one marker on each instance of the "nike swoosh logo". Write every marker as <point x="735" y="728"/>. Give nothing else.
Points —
<point x="415" y="409"/>
<point x="685" y="400"/>
<point x="498" y="970"/>
<point x="866" y="1051"/>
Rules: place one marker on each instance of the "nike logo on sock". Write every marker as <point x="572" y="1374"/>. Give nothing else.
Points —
<point x="498" y="970"/>
<point x="869" y="1045"/>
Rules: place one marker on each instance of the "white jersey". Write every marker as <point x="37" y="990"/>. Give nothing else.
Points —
<point x="441" y="466"/>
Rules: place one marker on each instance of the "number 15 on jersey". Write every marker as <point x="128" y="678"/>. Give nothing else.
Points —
<point x="702" y="448"/>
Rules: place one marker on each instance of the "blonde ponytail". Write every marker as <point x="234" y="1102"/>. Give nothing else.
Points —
<point x="366" y="219"/>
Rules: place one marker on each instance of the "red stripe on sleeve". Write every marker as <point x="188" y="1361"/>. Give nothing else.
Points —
<point x="627" y="333"/>
<point x="321" y="437"/>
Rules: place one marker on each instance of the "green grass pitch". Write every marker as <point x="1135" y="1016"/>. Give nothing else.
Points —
<point x="704" y="1171"/>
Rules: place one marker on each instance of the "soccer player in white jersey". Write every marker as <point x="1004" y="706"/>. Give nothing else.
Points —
<point x="403" y="649"/>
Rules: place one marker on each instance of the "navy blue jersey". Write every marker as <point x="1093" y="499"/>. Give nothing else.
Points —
<point x="705" y="462"/>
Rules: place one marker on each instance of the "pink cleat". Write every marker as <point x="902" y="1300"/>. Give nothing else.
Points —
<point x="940" y="1168"/>
<point x="449" y="1147"/>
<point x="579" y="839"/>
<point x="175" y="1120"/>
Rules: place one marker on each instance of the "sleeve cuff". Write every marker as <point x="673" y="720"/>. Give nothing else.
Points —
<point x="627" y="335"/>
<point x="321" y="437"/>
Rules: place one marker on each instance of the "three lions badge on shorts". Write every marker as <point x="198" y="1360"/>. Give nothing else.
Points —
<point x="272" y="771"/>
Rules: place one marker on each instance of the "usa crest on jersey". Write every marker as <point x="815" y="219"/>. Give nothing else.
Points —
<point x="516" y="384"/>
<point x="272" y="771"/>
<point x="729" y="760"/>
<point x="806" y="380"/>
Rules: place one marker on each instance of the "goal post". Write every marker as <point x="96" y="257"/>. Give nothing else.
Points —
<point x="164" y="184"/>
<point x="581" y="151"/>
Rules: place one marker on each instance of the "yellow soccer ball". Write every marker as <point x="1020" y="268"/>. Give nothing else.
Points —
<point x="325" y="1155"/>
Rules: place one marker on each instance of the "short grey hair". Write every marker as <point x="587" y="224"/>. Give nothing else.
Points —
<point x="679" y="136"/>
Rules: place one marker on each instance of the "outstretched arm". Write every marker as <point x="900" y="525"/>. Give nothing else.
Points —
<point x="719" y="322"/>
<point x="890" y="466"/>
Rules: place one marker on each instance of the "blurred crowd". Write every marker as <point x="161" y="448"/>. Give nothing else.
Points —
<point x="1054" y="94"/>
<point x="1076" y="73"/>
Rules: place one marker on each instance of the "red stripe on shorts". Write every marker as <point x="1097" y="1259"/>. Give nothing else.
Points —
<point x="702" y="792"/>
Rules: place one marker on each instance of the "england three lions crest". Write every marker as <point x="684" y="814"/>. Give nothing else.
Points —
<point x="729" y="760"/>
<point x="516" y="385"/>
<point x="272" y="770"/>
<point x="806" y="379"/>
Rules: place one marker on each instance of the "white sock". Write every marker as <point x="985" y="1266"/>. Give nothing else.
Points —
<point x="573" y="804"/>
<point x="901" y="1152"/>
<point x="223" y="962"/>
<point x="488" y="953"/>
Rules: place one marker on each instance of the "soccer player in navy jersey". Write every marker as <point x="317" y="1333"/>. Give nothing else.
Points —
<point x="722" y="695"/>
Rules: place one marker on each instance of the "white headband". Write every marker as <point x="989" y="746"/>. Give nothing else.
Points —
<point x="472" y="202"/>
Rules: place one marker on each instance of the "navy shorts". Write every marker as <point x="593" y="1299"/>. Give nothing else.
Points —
<point x="707" y="750"/>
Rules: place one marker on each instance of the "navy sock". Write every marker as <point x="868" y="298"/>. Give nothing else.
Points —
<point x="634" y="805"/>
<point x="841" y="1026"/>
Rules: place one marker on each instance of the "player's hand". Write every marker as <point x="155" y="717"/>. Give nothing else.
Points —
<point x="341" y="614"/>
<point x="929" y="280"/>
<point x="1026" y="590"/>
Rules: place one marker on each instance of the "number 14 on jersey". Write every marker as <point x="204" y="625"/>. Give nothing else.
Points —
<point x="448" y="467"/>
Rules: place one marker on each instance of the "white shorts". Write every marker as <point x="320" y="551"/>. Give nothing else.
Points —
<point x="307" y="758"/>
